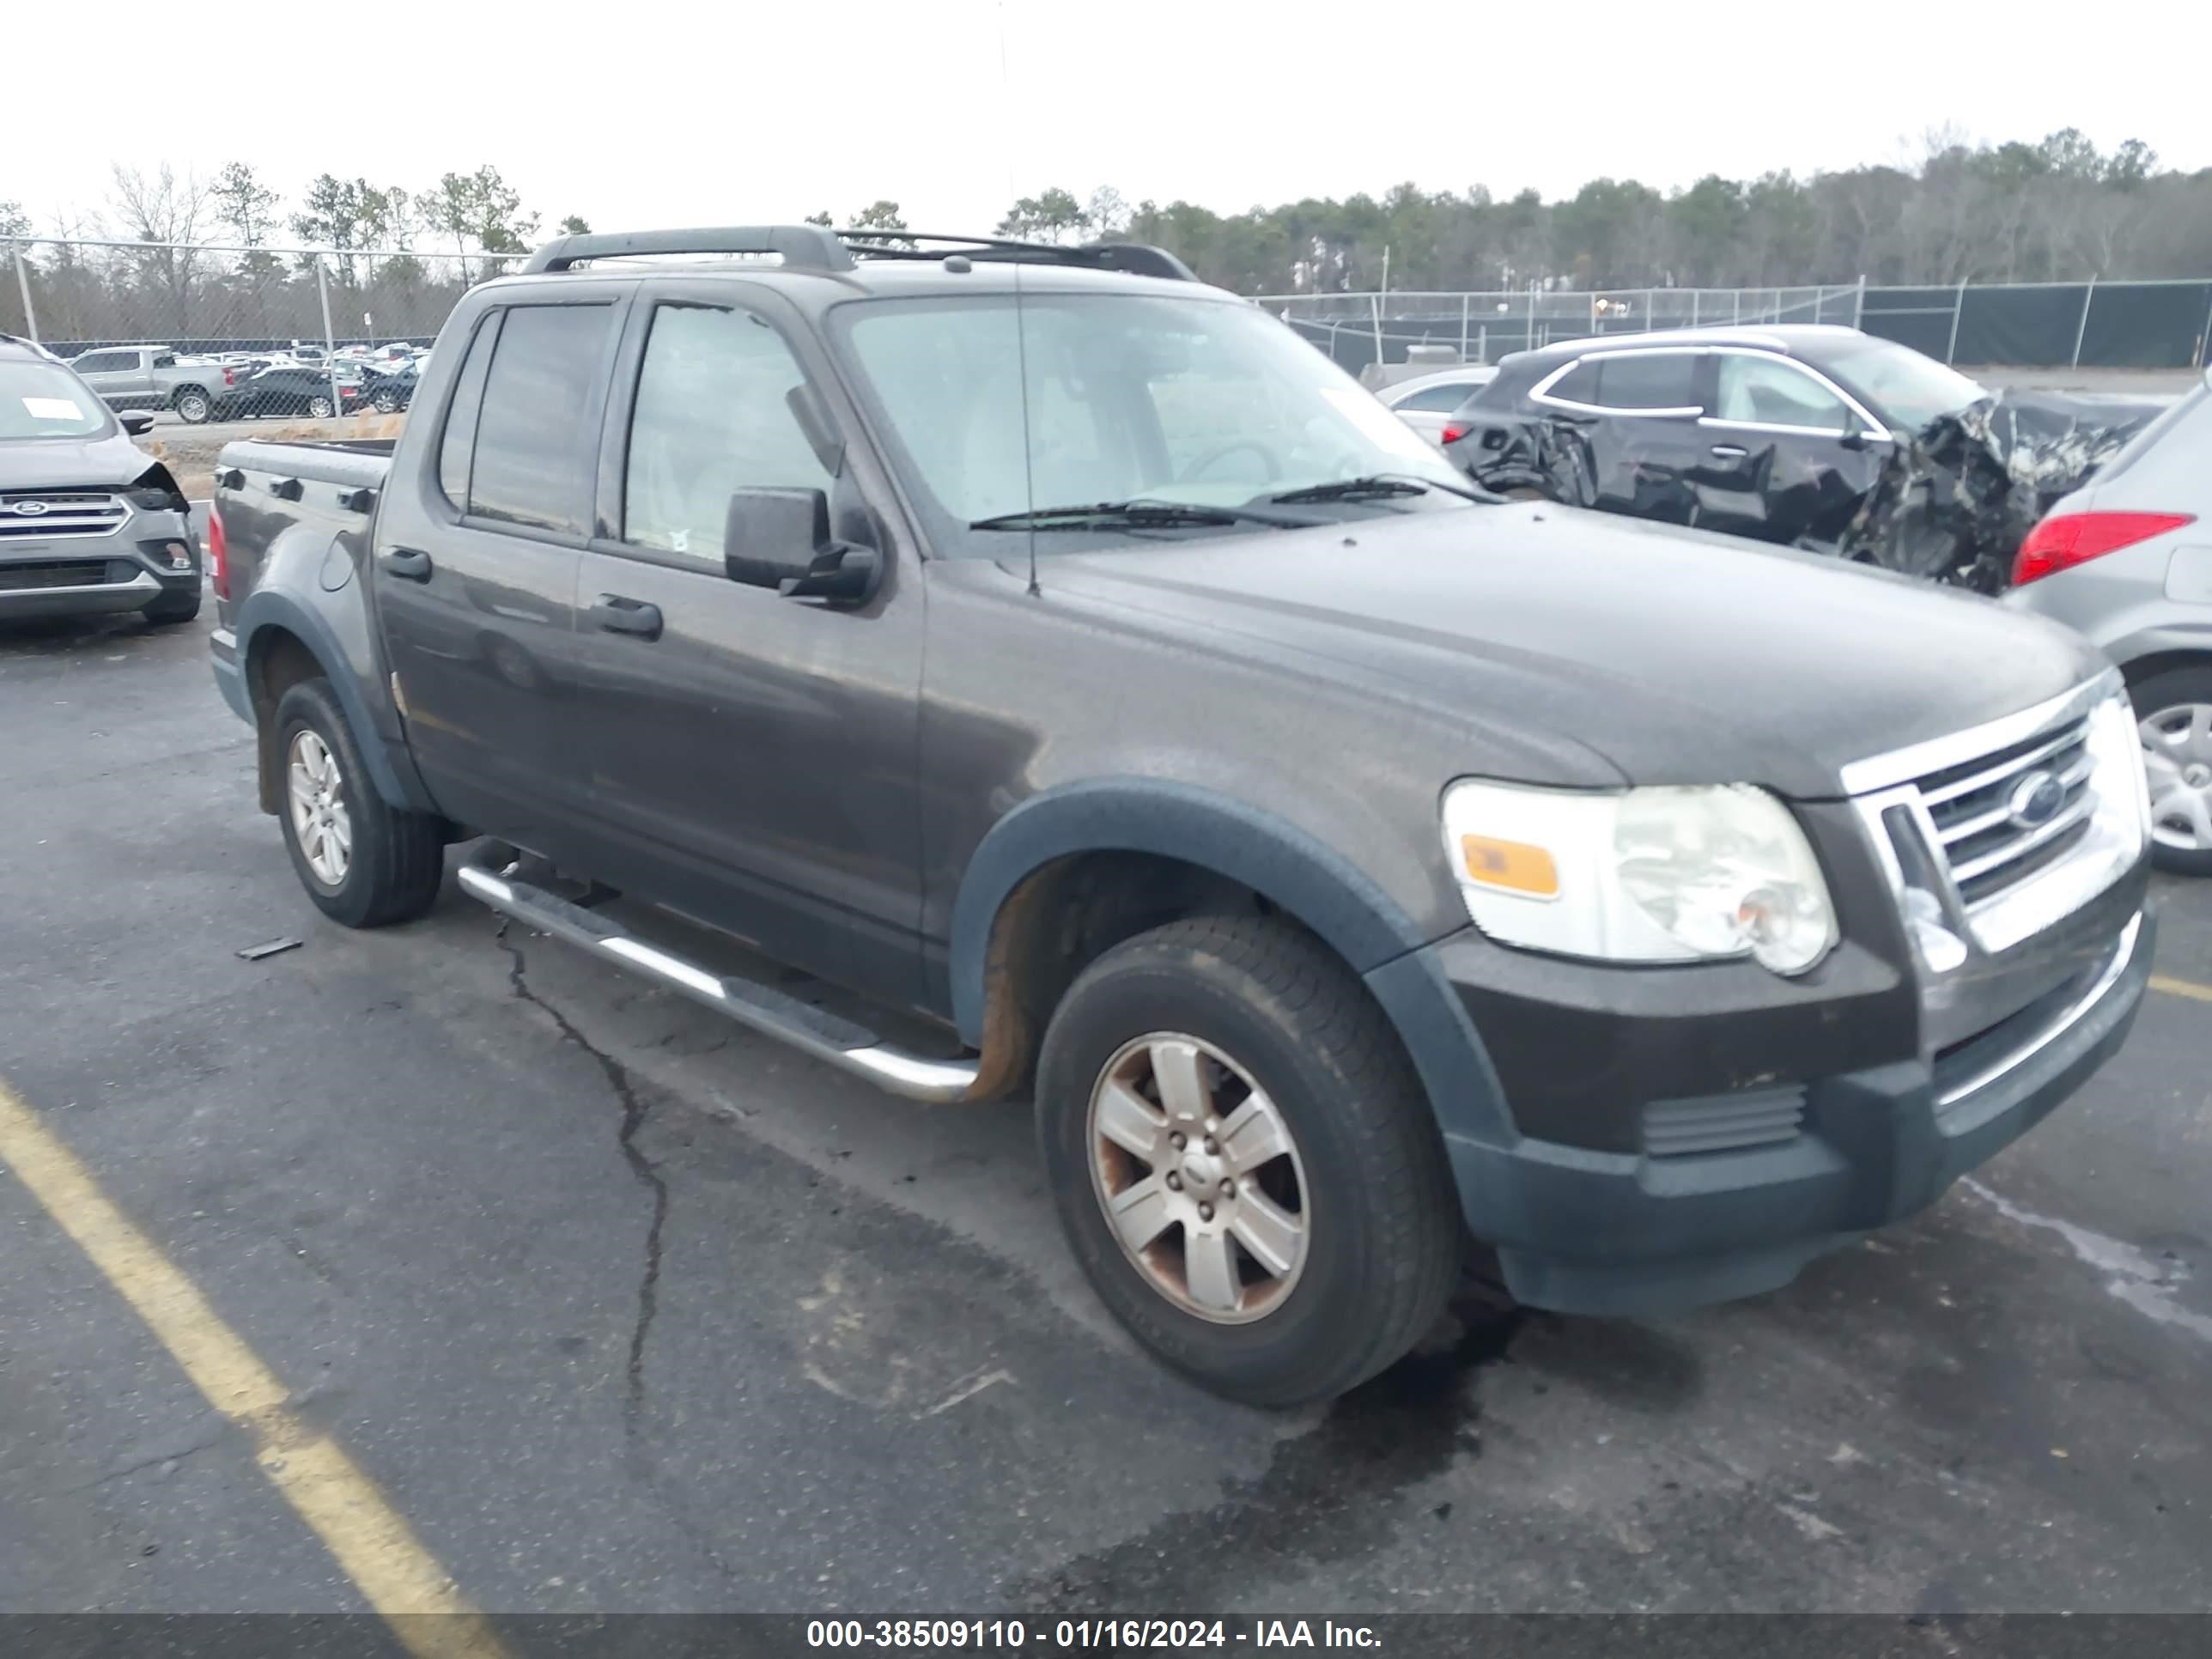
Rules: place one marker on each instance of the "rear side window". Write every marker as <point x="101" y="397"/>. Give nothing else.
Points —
<point x="1577" y="386"/>
<point x="99" y="362"/>
<point x="460" y="433"/>
<point x="529" y="466"/>
<point x="1663" y="380"/>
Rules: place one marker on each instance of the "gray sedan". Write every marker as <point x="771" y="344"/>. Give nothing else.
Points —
<point x="2127" y="559"/>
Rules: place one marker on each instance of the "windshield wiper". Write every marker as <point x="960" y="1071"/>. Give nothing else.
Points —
<point x="1139" y="515"/>
<point x="1375" y="484"/>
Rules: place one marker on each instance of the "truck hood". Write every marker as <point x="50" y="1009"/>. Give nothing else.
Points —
<point x="1677" y="656"/>
<point x="59" y="463"/>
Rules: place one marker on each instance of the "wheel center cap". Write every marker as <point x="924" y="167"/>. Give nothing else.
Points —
<point x="1200" y="1173"/>
<point x="2197" y="776"/>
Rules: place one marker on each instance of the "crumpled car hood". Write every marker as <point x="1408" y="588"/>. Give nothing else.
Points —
<point x="1957" y="497"/>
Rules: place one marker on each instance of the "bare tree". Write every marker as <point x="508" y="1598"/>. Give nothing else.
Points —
<point x="169" y="213"/>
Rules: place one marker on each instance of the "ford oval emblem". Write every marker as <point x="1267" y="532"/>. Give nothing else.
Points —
<point x="28" y="509"/>
<point x="2035" y="800"/>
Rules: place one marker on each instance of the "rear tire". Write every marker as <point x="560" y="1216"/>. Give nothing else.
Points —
<point x="364" y="863"/>
<point x="193" y="405"/>
<point x="1248" y="1003"/>
<point x="2174" y="713"/>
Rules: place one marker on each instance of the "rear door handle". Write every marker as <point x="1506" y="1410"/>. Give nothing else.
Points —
<point x="1730" y="451"/>
<point x="618" y="615"/>
<point x="405" y="562"/>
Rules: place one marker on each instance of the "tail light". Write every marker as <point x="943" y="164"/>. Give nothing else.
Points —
<point x="1453" y="432"/>
<point x="2072" y="538"/>
<point x="229" y="377"/>
<point x="218" y="554"/>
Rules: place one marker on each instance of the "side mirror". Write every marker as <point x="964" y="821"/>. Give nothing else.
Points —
<point x="135" y="421"/>
<point x="780" y="538"/>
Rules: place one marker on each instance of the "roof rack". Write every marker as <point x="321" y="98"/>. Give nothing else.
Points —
<point x="811" y="248"/>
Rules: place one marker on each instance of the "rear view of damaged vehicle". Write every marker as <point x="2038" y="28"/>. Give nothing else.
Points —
<point x="1810" y="436"/>
<point x="89" y="523"/>
<point x="1347" y="867"/>
<point x="2128" y="561"/>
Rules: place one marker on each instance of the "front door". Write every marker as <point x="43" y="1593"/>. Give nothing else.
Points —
<point x="118" y="376"/>
<point x="1787" y="457"/>
<point x="751" y="757"/>
<point x="475" y="569"/>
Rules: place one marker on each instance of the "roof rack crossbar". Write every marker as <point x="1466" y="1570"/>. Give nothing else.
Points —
<point x="808" y="247"/>
<point x="1137" y="258"/>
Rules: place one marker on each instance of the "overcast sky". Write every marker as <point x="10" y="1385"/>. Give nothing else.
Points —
<point x="651" y="112"/>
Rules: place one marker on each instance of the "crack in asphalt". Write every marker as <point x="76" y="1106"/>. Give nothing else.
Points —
<point x="634" y="1109"/>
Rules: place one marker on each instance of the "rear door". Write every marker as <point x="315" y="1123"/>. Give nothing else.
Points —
<point x="1788" y="455"/>
<point x="752" y="757"/>
<point x="1637" y="412"/>
<point x="475" y="573"/>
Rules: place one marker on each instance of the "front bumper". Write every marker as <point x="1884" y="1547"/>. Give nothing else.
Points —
<point x="99" y="575"/>
<point x="1585" y="1231"/>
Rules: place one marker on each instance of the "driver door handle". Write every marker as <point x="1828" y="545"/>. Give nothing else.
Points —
<point x="617" y="615"/>
<point x="1730" y="451"/>
<point x="408" y="563"/>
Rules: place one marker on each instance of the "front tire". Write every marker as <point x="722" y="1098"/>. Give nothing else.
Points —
<point x="2174" y="713"/>
<point x="321" y="408"/>
<point x="386" y="403"/>
<point x="1303" y="1233"/>
<point x="364" y="863"/>
<point x="172" y="608"/>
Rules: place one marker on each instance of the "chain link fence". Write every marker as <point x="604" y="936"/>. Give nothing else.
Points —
<point x="2130" y="324"/>
<point x="204" y="333"/>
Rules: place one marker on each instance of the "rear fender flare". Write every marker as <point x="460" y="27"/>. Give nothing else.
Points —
<point x="389" y="767"/>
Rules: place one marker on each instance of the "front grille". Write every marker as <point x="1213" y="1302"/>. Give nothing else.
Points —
<point x="52" y="514"/>
<point x="1990" y="846"/>
<point x="58" y="573"/>
<point x="1723" y="1123"/>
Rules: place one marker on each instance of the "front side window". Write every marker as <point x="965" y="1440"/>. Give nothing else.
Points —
<point x="714" y="414"/>
<point x="43" y="400"/>
<point x="1001" y="404"/>
<point x="529" y="467"/>
<point x="1760" y="390"/>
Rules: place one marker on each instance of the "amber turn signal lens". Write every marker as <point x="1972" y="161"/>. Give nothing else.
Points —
<point x="1513" y="866"/>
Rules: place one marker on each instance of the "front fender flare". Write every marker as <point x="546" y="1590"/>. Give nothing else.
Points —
<point x="1289" y="867"/>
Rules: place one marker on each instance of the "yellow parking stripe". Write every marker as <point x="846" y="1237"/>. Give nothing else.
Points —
<point x="372" y="1543"/>
<point x="2181" y="988"/>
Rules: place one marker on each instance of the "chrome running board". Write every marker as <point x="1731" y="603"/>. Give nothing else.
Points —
<point x="826" y="1038"/>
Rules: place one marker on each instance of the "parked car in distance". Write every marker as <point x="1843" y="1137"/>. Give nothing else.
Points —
<point x="155" y="377"/>
<point x="1777" y="434"/>
<point x="390" y="389"/>
<point x="89" y="523"/>
<point x="1346" y="864"/>
<point x="2127" y="560"/>
<point x="292" y="389"/>
<point x="1426" y="403"/>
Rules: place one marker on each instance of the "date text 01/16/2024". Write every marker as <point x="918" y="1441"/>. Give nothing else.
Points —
<point x="1170" y="1633"/>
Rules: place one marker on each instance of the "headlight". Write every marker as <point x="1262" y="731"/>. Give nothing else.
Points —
<point x="1650" y="875"/>
<point x="2123" y="812"/>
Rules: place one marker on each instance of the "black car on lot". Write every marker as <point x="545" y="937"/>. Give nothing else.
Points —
<point x="1779" y="434"/>
<point x="390" y="389"/>
<point x="290" y="389"/>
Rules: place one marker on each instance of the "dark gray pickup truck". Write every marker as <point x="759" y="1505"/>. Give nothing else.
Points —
<point x="1358" y="873"/>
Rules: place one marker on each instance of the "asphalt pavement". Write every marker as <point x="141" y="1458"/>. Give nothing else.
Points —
<point x="622" y="1308"/>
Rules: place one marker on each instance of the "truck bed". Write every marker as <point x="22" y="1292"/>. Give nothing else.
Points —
<point x="273" y="496"/>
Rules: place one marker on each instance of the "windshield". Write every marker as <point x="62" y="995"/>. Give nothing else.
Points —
<point x="1127" y="397"/>
<point x="45" y="400"/>
<point x="1907" y="388"/>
